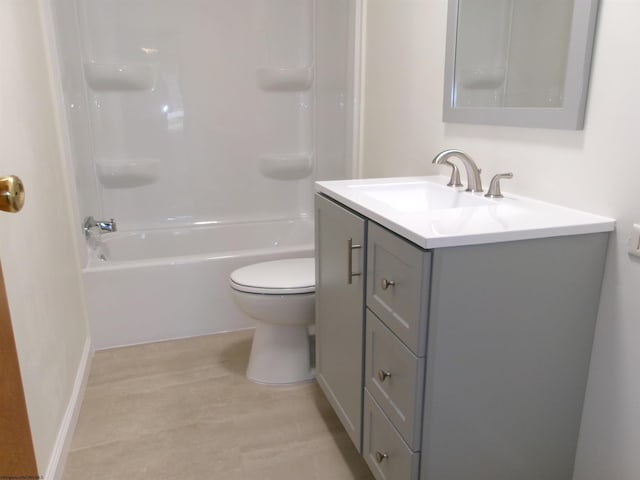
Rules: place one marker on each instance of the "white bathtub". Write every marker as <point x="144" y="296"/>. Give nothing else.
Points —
<point x="172" y="283"/>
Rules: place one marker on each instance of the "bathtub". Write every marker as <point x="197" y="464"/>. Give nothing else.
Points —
<point x="164" y="284"/>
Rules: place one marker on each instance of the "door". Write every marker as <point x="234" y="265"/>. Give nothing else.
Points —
<point x="24" y="125"/>
<point x="340" y="279"/>
<point x="17" y="457"/>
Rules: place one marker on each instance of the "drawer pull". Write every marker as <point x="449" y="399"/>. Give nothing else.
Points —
<point x="383" y="375"/>
<point x="381" y="456"/>
<point x="350" y="248"/>
<point x="387" y="283"/>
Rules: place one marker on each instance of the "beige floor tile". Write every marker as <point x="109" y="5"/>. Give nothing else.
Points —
<point x="191" y="451"/>
<point x="184" y="409"/>
<point x="338" y="459"/>
<point x="115" y="417"/>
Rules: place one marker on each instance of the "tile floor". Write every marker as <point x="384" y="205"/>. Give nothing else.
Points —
<point x="184" y="410"/>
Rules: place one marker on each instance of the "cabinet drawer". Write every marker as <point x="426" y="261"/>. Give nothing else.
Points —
<point x="394" y="377"/>
<point x="398" y="276"/>
<point x="388" y="457"/>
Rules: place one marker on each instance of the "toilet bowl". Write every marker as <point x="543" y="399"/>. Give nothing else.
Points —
<point x="279" y="295"/>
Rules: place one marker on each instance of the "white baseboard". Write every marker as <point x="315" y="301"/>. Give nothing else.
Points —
<point x="62" y="446"/>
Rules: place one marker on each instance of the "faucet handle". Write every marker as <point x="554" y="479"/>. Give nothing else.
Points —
<point x="494" y="186"/>
<point x="107" y="225"/>
<point x="92" y="225"/>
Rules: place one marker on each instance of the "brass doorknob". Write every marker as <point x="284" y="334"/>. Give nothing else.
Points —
<point x="11" y="194"/>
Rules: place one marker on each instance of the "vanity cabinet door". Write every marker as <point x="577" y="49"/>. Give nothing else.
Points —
<point x="340" y="263"/>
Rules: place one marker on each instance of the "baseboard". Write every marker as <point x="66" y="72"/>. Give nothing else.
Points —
<point x="67" y="428"/>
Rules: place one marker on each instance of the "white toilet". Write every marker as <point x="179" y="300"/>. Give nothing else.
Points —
<point x="280" y="296"/>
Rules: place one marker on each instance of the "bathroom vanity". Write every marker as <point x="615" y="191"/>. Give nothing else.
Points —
<point x="454" y="332"/>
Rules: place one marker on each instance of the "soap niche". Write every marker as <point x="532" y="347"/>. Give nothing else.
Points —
<point x="287" y="49"/>
<point x="283" y="79"/>
<point x="294" y="166"/>
<point x="128" y="173"/>
<point x="119" y="76"/>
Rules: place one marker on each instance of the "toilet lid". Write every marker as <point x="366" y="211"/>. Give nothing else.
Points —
<point x="289" y="276"/>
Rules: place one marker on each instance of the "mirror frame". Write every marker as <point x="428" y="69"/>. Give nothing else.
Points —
<point x="570" y="116"/>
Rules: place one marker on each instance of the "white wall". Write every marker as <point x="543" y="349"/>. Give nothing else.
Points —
<point x="596" y="169"/>
<point x="38" y="245"/>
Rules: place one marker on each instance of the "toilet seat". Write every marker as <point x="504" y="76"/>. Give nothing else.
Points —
<point x="278" y="277"/>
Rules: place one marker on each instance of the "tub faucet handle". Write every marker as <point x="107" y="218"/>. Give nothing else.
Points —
<point x="90" y="224"/>
<point x="107" y="226"/>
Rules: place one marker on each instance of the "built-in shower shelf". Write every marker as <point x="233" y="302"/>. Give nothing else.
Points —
<point x="119" y="76"/>
<point x="128" y="174"/>
<point x="280" y="79"/>
<point x="294" y="166"/>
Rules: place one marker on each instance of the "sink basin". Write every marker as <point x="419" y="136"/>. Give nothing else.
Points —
<point x="420" y="196"/>
<point x="428" y="213"/>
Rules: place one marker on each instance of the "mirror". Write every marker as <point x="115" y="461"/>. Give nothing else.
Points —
<point x="519" y="62"/>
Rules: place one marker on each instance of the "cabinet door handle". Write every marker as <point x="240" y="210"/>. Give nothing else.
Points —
<point x="383" y="375"/>
<point x="387" y="283"/>
<point x="381" y="456"/>
<point x="350" y="248"/>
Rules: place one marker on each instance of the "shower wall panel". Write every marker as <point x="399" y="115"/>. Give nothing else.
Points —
<point x="336" y="68"/>
<point x="76" y="107"/>
<point x="205" y="110"/>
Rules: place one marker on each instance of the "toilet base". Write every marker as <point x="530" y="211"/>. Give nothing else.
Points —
<point x="280" y="355"/>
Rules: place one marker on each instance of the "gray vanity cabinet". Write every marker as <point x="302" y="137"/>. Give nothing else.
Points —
<point x="340" y="279"/>
<point x="511" y="327"/>
<point x="476" y="356"/>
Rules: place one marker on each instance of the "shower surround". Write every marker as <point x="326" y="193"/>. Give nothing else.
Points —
<point x="201" y="113"/>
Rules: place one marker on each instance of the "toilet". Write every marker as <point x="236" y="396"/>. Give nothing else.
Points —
<point x="280" y="296"/>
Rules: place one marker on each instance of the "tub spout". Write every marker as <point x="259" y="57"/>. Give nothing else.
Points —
<point x="91" y="224"/>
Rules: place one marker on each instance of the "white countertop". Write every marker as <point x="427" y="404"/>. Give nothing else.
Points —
<point x="428" y="213"/>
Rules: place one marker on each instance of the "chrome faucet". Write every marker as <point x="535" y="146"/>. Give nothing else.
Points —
<point x="102" y="225"/>
<point x="474" y="182"/>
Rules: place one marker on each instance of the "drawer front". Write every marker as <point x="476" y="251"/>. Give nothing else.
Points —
<point x="398" y="275"/>
<point x="395" y="378"/>
<point x="388" y="457"/>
